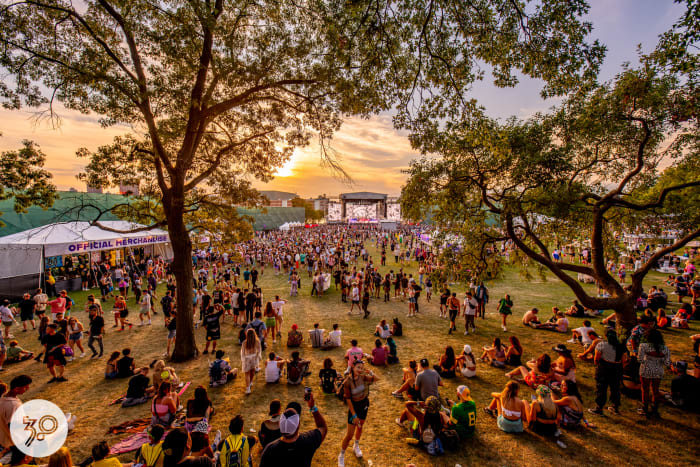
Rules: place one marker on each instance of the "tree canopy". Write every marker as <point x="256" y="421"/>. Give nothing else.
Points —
<point x="218" y="93"/>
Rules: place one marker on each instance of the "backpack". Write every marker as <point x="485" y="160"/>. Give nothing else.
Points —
<point x="434" y="447"/>
<point x="215" y="371"/>
<point x="233" y="457"/>
<point x="293" y="372"/>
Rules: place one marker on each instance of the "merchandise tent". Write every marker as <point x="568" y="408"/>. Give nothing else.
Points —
<point x="66" y="247"/>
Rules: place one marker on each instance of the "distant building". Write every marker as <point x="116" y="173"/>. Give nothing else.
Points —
<point x="92" y="189"/>
<point x="128" y="189"/>
<point x="278" y="199"/>
<point x="320" y="203"/>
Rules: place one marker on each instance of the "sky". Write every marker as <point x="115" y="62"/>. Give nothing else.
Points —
<point x="371" y="151"/>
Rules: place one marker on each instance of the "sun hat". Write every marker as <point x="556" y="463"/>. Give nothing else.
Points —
<point x="561" y="348"/>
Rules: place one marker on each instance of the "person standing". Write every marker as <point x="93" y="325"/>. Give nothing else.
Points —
<point x="505" y="308"/>
<point x="27" y="307"/>
<point x="453" y="310"/>
<point x="355" y="297"/>
<point x="482" y="298"/>
<point x="41" y="300"/>
<point x="251" y="353"/>
<point x="294" y="449"/>
<point x="653" y="355"/>
<point x="470" y="307"/>
<point x="608" y="373"/>
<point x="53" y="343"/>
<point x="356" y="394"/>
<point x="96" y="331"/>
<point x="9" y="403"/>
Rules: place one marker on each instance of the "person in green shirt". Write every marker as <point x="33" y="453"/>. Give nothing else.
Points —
<point x="463" y="414"/>
<point x="15" y="353"/>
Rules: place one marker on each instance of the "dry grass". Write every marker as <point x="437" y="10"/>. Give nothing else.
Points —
<point x="617" y="440"/>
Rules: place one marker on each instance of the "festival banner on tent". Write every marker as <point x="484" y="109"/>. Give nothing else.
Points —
<point x="96" y="245"/>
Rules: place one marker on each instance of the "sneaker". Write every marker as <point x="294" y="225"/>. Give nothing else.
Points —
<point x="356" y="449"/>
<point x="572" y="341"/>
<point x="397" y="420"/>
<point x="131" y="326"/>
<point x="561" y="444"/>
<point x="613" y="410"/>
<point x="397" y="395"/>
<point x="140" y="324"/>
<point x="61" y="379"/>
<point x="341" y="459"/>
<point x="82" y="355"/>
<point x="596" y="411"/>
<point x="466" y="333"/>
<point x="53" y="380"/>
<point x="504" y="329"/>
<point x="93" y="356"/>
<point x="489" y="411"/>
<point x="217" y="438"/>
<point x="205" y="352"/>
<point x="149" y="322"/>
<point x="247" y="390"/>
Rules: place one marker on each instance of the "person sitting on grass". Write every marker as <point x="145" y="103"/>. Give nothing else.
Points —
<point x="409" y="381"/>
<point x="297" y="369"/>
<point x="545" y="415"/>
<point x="328" y="377"/>
<point x="139" y="389"/>
<point x="273" y="368"/>
<point x="379" y="354"/>
<point x="512" y="411"/>
<point x="570" y="405"/>
<point x="111" y="371"/>
<point x="537" y="373"/>
<point x="150" y="454"/>
<point x="382" y="330"/>
<point x="392" y="356"/>
<point x="161" y="373"/>
<point x="177" y="447"/>
<point x="530" y="318"/>
<point x="396" y="328"/>
<point x="164" y="406"/>
<point x="199" y="410"/>
<point x="316" y="336"/>
<point x="237" y="446"/>
<point x="125" y="365"/>
<point x="294" y="337"/>
<point x="495" y="355"/>
<point x="425" y="415"/>
<point x="447" y="364"/>
<point x="466" y="362"/>
<point x="220" y="371"/>
<point x="514" y="353"/>
<point x="100" y="451"/>
<point x="333" y="339"/>
<point x="564" y="367"/>
<point x="463" y="414"/>
<point x="587" y="354"/>
<point x="15" y="353"/>
<point x="581" y="334"/>
<point x="558" y="323"/>
<point x="576" y="310"/>
<point x="270" y="428"/>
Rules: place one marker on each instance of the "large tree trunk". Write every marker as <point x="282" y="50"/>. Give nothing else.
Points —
<point x="185" y="345"/>
<point x="626" y="316"/>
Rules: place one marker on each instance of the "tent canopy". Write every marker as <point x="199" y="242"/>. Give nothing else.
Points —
<point x="81" y="237"/>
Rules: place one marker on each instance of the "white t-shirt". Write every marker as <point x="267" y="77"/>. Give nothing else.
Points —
<point x="470" y="305"/>
<point x="272" y="372"/>
<point x="355" y="294"/>
<point x="277" y="306"/>
<point x="334" y="336"/>
<point x="145" y="302"/>
<point x="583" y="332"/>
<point x="6" y="314"/>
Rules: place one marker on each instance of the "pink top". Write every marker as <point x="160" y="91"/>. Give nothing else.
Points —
<point x="58" y="305"/>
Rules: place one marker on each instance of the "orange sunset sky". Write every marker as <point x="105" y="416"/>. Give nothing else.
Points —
<point x="373" y="153"/>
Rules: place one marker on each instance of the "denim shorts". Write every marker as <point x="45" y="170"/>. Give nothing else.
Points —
<point x="510" y="426"/>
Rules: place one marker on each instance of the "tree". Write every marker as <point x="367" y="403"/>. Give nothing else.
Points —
<point x="587" y="171"/>
<point x="310" y="214"/>
<point x="23" y="178"/>
<point x="220" y="92"/>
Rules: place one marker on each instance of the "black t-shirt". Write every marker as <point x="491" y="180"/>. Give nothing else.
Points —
<point x="166" y="303"/>
<point x="172" y="325"/>
<point x="26" y="307"/>
<point x="53" y="341"/>
<point x="96" y="325"/>
<point x="327" y="376"/>
<point x="250" y="300"/>
<point x="211" y="321"/>
<point x="124" y="366"/>
<point x="137" y="386"/>
<point x="62" y="326"/>
<point x="206" y="300"/>
<point x="297" y="454"/>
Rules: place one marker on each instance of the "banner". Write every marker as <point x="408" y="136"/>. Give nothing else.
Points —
<point x="96" y="245"/>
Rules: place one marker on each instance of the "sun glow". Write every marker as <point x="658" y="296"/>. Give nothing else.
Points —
<point x="287" y="170"/>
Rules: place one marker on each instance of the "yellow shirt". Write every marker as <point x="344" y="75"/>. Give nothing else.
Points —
<point x="108" y="462"/>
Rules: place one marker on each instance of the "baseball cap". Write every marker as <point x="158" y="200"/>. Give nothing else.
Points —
<point x="464" y="392"/>
<point x="289" y="422"/>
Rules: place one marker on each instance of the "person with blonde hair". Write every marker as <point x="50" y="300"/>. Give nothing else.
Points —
<point x="61" y="458"/>
<point x="164" y="373"/>
<point x="251" y="353"/>
<point x="545" y="415"/>
<point x="512" y="411"/>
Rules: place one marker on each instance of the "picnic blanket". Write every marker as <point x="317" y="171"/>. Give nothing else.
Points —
<point x="130" y="443"/>
<point x="131" y="426"/>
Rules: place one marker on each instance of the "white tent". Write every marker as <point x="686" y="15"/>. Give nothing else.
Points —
<point x="22" y="253"/>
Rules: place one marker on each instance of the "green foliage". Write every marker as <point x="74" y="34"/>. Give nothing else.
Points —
<point x="23" y="178"/>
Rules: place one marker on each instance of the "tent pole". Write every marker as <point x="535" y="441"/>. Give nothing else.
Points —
<point x="42" y="272"/>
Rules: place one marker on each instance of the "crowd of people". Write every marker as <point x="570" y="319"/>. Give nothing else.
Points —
<point x="227" y="285"/>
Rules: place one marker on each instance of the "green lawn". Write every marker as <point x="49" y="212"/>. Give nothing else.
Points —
<point x="618" y="440"/>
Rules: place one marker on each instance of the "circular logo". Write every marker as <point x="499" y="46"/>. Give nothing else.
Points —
<point x="38" y="428"/>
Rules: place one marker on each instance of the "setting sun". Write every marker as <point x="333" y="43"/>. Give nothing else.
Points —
<point x="287" y="170"/>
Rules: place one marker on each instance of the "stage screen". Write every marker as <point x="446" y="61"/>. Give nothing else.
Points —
<point x="362" y="211"/>
<point x="335" y="212"/>
<point x="393" y="211"/>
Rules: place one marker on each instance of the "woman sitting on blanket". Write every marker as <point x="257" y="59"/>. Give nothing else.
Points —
<point x="164" y="406"/>
<point x="199" y="411"/>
